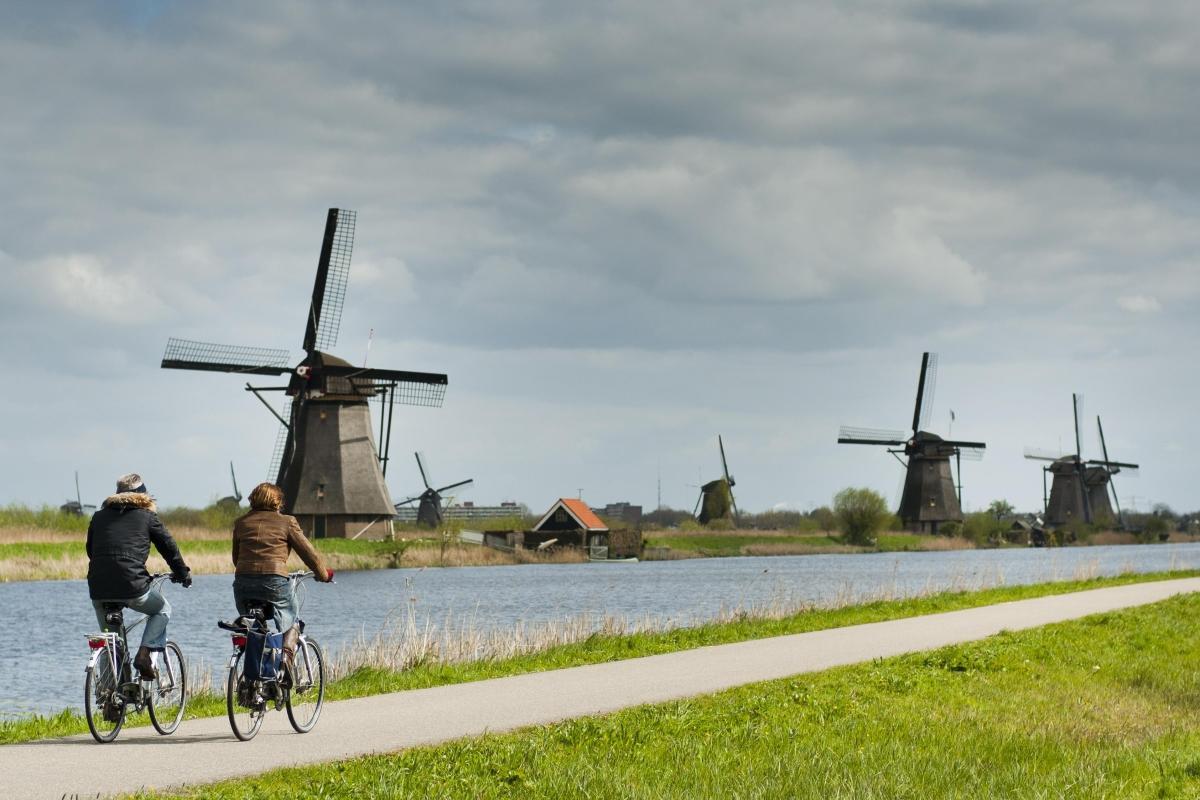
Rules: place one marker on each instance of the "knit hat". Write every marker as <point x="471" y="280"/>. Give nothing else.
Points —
<point x="131" y="483"/>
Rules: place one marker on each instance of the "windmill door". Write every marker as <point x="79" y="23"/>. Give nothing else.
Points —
<point x="319" y="526"/>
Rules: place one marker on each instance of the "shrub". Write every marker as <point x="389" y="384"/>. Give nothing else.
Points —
<point x="861" y="514"/>
<point x="1156" y="529"/>
<point x="824" y="517"/>
<point x="983" y="528"/>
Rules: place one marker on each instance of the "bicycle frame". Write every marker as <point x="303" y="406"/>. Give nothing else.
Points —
<point x="110" y="640"/>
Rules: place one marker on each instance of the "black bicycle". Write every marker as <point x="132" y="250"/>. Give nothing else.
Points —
<point x="112" y="686"/>
<point x="252" y="689"/>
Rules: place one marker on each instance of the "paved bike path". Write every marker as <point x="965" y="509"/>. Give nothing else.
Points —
<point x="205" y="750"/>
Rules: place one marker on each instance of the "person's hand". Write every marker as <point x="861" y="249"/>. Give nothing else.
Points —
<point x="184" y="578"/>
<point x="328" y="576"/>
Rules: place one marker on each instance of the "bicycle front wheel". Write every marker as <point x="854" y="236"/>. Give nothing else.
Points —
<point x="245" y="720"/>
<point x="306" y="694"/>
<point x="102" y="704"/>
<point x="168" y="692"/>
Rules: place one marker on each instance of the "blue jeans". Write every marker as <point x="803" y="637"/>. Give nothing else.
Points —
<point x="273" y="589"/>
<point x="157" y="611"/>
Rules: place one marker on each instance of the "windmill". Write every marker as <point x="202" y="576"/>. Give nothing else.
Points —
<point x="329" y="467"/>
<point x="1079" y="488"/>
<point x="716" y="497"/>
<point x="235" y="499"/>
<point x="429" y="511"/>
<point x="75" y="507"/>
<point x="929" y="497"/>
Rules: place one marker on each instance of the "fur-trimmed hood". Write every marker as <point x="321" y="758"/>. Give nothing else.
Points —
<point x="131" y="500"/>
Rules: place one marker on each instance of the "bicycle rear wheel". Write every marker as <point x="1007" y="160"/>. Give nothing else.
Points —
<point x="102" y="704"/>
<point x="306" y="694"/>
<point x="244" y="720"/>
<point x="168" y="692"/>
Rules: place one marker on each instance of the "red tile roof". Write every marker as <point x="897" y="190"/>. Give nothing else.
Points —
<point x="577" y="509"/>
<point x="584" y="514"/>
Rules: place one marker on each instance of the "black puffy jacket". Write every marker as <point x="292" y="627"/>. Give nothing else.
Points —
<point x="118" y="544"/>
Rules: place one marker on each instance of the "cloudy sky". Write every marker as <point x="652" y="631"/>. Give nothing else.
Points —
<point x="621" y="229"/>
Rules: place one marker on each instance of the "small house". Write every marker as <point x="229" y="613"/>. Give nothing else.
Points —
<point x="569" y="522"/>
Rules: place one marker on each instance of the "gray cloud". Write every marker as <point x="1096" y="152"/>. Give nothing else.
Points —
<point x="738" y="218"/>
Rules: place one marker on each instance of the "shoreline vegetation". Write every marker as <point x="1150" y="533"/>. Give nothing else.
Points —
<point x="1099" y="707"/>
<point x="47" y="544"/>
<point x="411" y="654"/>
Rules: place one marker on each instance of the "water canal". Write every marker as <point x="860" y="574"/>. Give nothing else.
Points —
<point x="45" y="622"/>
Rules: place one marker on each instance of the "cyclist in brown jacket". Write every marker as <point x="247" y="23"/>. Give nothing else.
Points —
<point x="262" y="541"/>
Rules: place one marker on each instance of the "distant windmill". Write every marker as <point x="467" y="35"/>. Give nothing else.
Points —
<point x="429" y="510"/>
<point x="929" y="497"/>
<point x="1079" y="489"/>
<point x="330" y="469"/>
<point x="716" y="497"/>
<point x="235" y="499"/>
<point x="76" y="507"/>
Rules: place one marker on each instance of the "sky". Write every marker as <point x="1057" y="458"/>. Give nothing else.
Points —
<point x="621" y="229"/>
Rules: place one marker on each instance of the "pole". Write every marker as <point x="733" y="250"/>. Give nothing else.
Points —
<point x="958" y="461"/>
<point x="390" y="411"/>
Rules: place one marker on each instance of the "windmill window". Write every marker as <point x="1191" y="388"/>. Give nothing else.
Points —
<point x="320" y="491"/>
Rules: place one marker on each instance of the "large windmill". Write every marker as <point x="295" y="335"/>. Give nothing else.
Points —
<point x="330" y="469"/>
<point x="716" y="497"/>
<point x="1079" y="489"/>
<point x="429" y="508"/>
<point x="930" y="497"/>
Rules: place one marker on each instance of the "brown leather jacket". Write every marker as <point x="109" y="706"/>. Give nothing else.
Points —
<point x="262" y="541"/>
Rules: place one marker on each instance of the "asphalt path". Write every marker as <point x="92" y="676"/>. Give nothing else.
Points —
<point x="205" y="750"/>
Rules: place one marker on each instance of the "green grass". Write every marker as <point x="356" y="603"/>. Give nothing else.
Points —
<point x="44" y="518"/>
<point x="1104" y="707"/>
<point x="889" y="542"/>
<point x="598" y="649"/>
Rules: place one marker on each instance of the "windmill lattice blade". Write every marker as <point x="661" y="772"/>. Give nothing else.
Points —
<point x="1077" y="403"/>
<point x="971" y="453"/>
<point x="280" y="445"/>
<point x="212" y="357"/>
<point x="409" y="500"/>
<point x="410" y="388"/>
<point x="1041" y="454"/>
<point x="848" y="434"/>
<point x="724" y="464"/>
<point x="421" y="467"/>
<point x="329" y="288"/>
<point x="467" y="482"/>
<point x="930" y="390"/>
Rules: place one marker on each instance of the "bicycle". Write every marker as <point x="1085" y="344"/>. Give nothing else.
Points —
<point x="250" y="694"/>
<point x="111" y="690"/>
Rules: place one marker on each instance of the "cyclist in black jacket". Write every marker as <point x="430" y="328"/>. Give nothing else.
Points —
<point x="118" y="544"/>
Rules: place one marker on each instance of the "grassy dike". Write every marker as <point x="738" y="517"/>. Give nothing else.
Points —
<point x="597" y="649"/>
<point x="1103" y="707"/>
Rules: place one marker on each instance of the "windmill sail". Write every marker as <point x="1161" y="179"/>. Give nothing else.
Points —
<point x="212" y="357"/>
<point x="333" y="274"/>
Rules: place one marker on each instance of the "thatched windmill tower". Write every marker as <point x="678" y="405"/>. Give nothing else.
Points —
<point x="716" y="497"/>
<point x="331" y="470"/>
<point x="930" y="497"/>
<point x="1079" y="487"/>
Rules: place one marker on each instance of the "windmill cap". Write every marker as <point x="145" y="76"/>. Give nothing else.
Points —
<point x="131" y="482"/>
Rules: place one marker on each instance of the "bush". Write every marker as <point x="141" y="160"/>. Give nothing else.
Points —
<point x="983" y="528"/>
<point x="1156" y="529"/>
<point x="861" y="514"/>
<point x="824" y="517"/>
